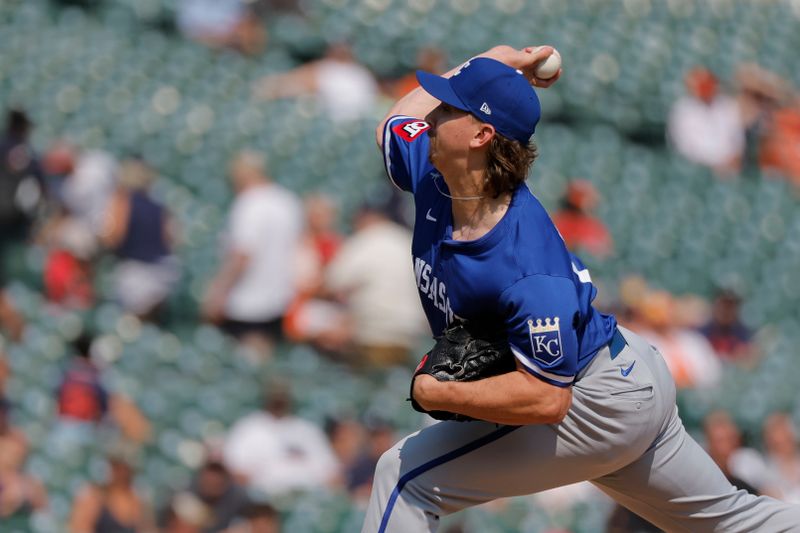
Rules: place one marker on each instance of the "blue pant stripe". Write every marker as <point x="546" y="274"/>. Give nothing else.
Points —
<point x="433" y="463"/>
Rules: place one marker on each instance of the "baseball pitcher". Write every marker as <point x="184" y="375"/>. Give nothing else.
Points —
<point x="583" y="398"/>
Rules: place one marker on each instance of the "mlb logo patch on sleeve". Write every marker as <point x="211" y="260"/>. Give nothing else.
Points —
<point x="545" y="339"/>
<point x="410" y="129"/>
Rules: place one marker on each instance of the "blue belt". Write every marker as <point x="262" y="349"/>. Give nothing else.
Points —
<point x="617" y="343"/>
<point x="615" y="346"/>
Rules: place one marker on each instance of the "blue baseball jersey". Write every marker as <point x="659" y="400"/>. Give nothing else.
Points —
<point x="519" y="277"/>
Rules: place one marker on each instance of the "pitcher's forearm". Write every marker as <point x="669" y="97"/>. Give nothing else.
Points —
<point x="514" y="398"/>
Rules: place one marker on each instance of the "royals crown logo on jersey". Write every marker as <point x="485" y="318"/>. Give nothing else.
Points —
<point x="545" y="336"/>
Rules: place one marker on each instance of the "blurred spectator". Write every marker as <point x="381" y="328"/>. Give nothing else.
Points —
<point x="277" y="452"/>
<point x="324" y="238"/>
<point x="187" y="513"/>
<point x="83" y="401"/>
<point x="21" y="192"/>
<point x="68" y="268"/>
<point x="381" y="437"/>
<point x="215" y="488"/>
<point x="705" y="126"/>
<point x="308" y="315"/>
<point x="690" y="357"/>
<point x="783" y="458"/>
<point x="258" y="518"/>
<point x="780" y="148"/>
<point x="58" y="162"/>
<point x="87" y="190"/>
<point x="10" y="320"/>
<point x="115" y="505"/>
<point x="82" y="397"/>
<point x="319" y="244"/>
<point x="345" y="88"/>
<point x="21" y="185"/>
<point x="371" y="274"/>
<point x="21" y="494"/>
<point x="744" y="467"/>
<point x="399" y="207"/>
<point x="347" y="438"/>
<point x="575" y="221"/>
<point x="430" y="59"/>
<point x="13" y="442"/>
<point x="761" y="95"/>
<point x="339" y="309"/>
<point x="632" y="291"/>
<point x="222" y="23"/>
<point x="730" y="338"/>
<point x="141" y="233"/>
<point x="251" y="291"/>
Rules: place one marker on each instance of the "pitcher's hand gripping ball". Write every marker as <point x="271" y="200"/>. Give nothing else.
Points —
<point x="548" y="68"/>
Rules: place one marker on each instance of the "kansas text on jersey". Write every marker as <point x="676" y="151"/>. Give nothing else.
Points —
<point x="519" y="277"/>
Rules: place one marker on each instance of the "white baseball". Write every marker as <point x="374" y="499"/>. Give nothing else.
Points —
<point x="548" y="68"/>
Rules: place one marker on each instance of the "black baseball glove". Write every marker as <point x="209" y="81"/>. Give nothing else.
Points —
<point x="463" y="354"/>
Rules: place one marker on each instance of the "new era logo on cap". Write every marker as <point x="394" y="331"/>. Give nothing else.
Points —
<point x="493" y="92"/>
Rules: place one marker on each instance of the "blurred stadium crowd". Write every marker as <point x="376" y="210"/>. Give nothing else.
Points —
<point x="208" y="315"/>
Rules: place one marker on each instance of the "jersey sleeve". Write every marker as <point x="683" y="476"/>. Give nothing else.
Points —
<point x="405" y="151"/>
<point x="541" y="312"/>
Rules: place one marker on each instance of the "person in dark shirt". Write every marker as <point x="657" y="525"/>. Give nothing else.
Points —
<point x="81" y="394"/>
<point x="116" y="505"/>
<point x="731" y="339"/>
<point x="21" y="182"/>
<point x="380" y="438"/>
<point x="140" y="232"/>
<point x="215" y="487"/>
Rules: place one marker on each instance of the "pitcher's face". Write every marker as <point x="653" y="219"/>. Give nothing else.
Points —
<point x="450" y="134"/>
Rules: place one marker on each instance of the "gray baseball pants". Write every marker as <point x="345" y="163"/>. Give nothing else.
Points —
<point x="622" y="433"/>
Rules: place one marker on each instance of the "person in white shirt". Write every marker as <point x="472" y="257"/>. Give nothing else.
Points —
<point x="371" y="274"/>
<point x="277" y="452"/>
<point x="705" y="126"/>
<point x="345" y="88"/>
<point x="88" y="189"/>
<point x="255" y="283"/>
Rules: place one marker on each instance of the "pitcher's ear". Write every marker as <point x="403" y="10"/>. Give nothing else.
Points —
<point x="483" y="135"/>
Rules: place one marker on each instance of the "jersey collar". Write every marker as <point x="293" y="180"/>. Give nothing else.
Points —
<point x="494" y="235"/>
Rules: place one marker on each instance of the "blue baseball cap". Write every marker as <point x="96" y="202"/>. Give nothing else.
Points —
<point x="491" y="91"/>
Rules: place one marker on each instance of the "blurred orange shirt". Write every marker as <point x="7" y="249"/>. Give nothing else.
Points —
<point x="581" y="231"/>
<point x="780" y="150"/>
<point x="405" y="85"/>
